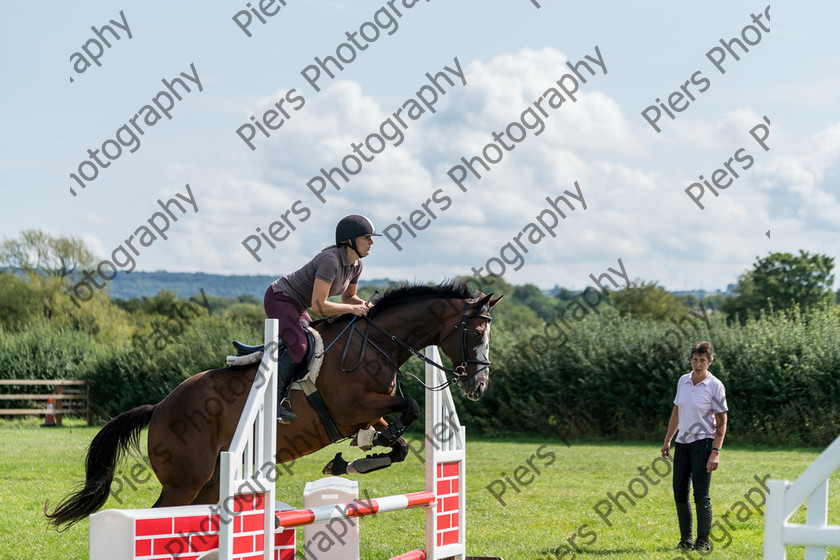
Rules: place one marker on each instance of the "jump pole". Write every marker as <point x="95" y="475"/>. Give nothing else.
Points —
<point x="361" y="508"/>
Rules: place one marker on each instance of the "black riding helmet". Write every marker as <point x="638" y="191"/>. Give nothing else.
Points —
<point x="350" y="227"/>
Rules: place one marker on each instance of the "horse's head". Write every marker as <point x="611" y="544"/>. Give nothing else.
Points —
<point x="468" y="345"/>
<point x="448" y="316"/>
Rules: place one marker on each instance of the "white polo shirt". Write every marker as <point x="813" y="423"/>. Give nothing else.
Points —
<point x="697" y="405"/>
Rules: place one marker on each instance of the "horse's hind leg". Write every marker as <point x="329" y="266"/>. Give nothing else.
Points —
<point x="189" y="480"/>
<point x="184" y="465"/>
<point x="209" y="493"/>
<point x="185" y="491"/>
<point x="174" y="496"/>
<point x="182" y="480"/>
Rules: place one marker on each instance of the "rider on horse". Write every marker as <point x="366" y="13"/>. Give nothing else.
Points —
<point x="334" y="271"/>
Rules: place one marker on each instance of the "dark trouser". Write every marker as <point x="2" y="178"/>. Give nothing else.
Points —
<point x="279" y="306"/>
<point x="690" y="468"/>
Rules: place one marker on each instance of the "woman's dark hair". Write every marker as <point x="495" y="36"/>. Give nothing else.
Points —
<point x="703" y="349"/>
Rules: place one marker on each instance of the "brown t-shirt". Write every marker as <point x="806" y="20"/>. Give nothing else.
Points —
<point x="330" y="265"/>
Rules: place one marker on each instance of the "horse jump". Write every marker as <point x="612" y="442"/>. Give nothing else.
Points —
<point x="242" y="525"/>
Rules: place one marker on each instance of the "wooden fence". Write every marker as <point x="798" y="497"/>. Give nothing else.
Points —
<point x="68" y="397"/>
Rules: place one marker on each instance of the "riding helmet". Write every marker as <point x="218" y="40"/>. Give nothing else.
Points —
<point x="353" y="226"/>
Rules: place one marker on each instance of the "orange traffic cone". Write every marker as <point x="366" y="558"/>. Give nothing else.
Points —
<point x="49" y="421"/>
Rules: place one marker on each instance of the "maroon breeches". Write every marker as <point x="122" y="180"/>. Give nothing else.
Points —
<point x="279" y="306"/>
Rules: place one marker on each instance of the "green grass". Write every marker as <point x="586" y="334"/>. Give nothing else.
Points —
<point x="538" y="522"/>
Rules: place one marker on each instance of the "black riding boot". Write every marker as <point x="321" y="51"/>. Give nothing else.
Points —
<point x="285" y="370"/>
<point x="704" y="524"/>
<point x="684" y="519"/>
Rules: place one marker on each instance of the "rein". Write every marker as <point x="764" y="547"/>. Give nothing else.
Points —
<point x="458" y="372"/>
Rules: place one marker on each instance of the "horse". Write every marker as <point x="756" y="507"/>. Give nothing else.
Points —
<point x="190" y="427"/>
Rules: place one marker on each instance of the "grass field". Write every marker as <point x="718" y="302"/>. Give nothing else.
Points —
<point x="551" y="516"/>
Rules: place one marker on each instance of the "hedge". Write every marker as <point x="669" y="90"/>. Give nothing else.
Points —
<point x="615" y="377"/>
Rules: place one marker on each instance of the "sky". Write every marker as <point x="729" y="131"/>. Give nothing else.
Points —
<point x="425" y="86"/>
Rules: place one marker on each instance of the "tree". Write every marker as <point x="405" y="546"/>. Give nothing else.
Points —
<point x="782" y="281"/>
<point x="19" y="302"/>
<point x="532" y="297"/>
<point x="564" y="295"/>
<point x="37" y="252"/>
<point x="710" y="301"/>
<point x="648" y="300"/>
<point x="48" y="264"/>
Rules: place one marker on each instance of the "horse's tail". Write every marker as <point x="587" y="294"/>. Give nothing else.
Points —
<point x="104" y="453"/>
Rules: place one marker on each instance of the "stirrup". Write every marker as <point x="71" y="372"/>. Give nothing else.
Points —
<point x="285" y="416"/>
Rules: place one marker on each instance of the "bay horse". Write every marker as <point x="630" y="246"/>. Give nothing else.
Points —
<point x="187" y="434"/>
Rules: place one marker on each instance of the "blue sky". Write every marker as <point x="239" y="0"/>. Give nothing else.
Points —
<point x="632" y="178"/>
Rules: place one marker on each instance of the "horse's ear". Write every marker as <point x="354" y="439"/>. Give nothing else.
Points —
<point x="484" y="300"/>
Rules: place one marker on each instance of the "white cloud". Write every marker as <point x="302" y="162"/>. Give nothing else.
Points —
<point x="636" y="207"/>
<point x="802" y="181"/>
<point x="634" y="212"/>
<point x="725" y="135"/>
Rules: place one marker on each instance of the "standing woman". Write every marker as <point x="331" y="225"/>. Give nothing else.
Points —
<point x="699" y="414"/>
<point x="334" y="271"/>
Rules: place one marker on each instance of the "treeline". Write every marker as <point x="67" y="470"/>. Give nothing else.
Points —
<point x="139" y="284"/>
<point x="614" y="376"/>
<point x="560" y="367"/>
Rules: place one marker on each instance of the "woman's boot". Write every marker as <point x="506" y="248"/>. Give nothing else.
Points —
<point x="685" y="521"/>
<point x="285" y="370"/>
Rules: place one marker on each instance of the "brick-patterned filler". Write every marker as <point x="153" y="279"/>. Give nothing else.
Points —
<point x="448" y="510"/>
<point x="183" y="533"/>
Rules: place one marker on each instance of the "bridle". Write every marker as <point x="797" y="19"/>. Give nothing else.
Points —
<point x="458" y="372"/>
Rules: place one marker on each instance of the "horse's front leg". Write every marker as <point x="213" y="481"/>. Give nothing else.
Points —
<point x="377" y="461"/>
<point x="385" y="435"/>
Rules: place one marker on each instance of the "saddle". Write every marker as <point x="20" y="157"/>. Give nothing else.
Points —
<point x="304" y="376"/>
<point x="247" y="354"/>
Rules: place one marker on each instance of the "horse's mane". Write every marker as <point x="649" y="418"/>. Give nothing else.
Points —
<point x="406" y="293"/>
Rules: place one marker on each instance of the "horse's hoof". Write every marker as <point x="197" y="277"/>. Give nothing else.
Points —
<point x="388" y="436"/>
<point x="336" y="467"/>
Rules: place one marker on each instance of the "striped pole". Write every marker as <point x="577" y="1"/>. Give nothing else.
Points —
<point x="300" y="517"/>
<point x="418" y="554"/>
